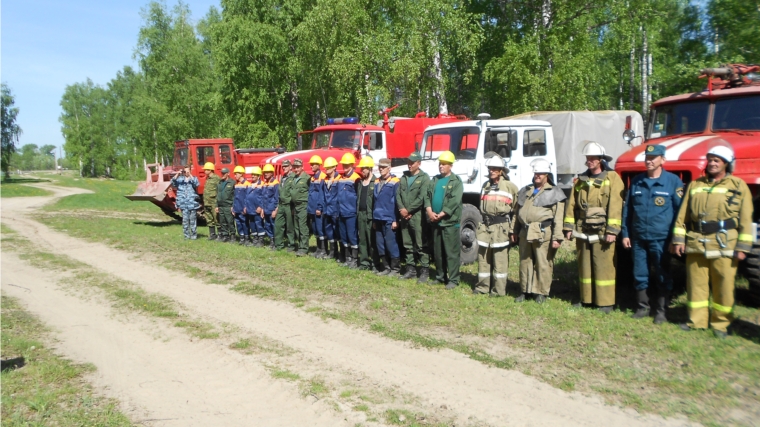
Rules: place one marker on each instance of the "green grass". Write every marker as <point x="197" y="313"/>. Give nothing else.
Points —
<point x="48" y="390"/>
<point x="632" y="363"/>
<point x="17" y="188"/>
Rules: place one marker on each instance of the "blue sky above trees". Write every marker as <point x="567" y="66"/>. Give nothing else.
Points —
<point x="48" y="44"/>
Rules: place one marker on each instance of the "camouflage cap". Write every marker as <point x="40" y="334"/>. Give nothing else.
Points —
<point x="225" y="170"/>
<point x="297" y="162"/>
<point x="385" y="162"/>
<point x="286" y="162"/>
<point x="415" y="157"/>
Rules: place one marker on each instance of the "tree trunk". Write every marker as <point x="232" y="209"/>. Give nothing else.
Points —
<point x="633" y="74"/>
<point x="440" y="90"/>
<point x="644" y="76"/>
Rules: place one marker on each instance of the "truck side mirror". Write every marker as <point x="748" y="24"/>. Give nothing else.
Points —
<point x="629" y="135"/>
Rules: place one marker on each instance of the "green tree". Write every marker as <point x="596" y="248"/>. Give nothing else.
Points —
<point x="735" y="27"/>
<point x="10" y="129"/>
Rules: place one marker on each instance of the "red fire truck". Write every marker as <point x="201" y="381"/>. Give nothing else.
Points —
<point x="726" y="113"/>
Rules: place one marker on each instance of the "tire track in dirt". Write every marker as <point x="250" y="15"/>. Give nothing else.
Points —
<point x="473" y="391"/>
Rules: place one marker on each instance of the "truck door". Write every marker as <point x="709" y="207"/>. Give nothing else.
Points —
<point x="504" y="142"/>
<point x="373" y="145"/>
<point x="533" y="147"/>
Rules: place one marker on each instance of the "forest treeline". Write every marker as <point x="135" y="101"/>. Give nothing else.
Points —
<point x="260" y="71"/>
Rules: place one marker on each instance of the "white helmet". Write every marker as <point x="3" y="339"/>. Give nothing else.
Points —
<point x="541" y="166"/>
<point x="595" y="149"/>
<point x="495" y="161"/>
<point x="725" y="153"/>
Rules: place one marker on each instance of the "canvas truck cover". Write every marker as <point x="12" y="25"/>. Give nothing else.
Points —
<point x="572" y="129"/>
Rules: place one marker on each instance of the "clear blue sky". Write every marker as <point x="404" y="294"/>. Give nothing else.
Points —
<point x="48" y="44"/>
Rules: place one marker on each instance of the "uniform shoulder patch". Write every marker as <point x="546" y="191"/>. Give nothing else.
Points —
<point x="679" y="191"/>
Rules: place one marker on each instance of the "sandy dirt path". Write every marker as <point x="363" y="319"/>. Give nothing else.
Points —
<point x="472" y="392"/>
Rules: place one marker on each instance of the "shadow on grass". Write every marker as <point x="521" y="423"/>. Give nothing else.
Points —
<point x="746" y="330"/>
<point x="158" y="224"/>
<point x="23" y="180"/>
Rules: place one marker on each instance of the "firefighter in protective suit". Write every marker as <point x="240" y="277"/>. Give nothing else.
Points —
<point x="497" y="202"/>
<point x="714" y="228"/>
<point x="593" y="216"/>
<point x="538" y="230"/>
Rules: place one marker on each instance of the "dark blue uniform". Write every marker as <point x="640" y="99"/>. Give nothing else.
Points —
<point x="384" y="215"/>
<point x="648" y="216"/>
<point x="316" y="203"/>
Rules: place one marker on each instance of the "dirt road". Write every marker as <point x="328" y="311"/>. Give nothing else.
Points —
<point x="164" y="377"/>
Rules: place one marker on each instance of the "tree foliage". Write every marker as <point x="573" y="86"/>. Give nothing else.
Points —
<point x="260" y="71"/>
<point x="10" y="129"/>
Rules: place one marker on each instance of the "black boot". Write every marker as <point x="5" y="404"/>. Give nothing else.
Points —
<point x="212" y="233"/>
<point x="318" y="252"/>
<point x="643" y="307"/>
<point x="662" y="305"/>
<point x="272" y="247"/>
<point x="410" y="273"/>
<point x="341" y="258"/>
<point x="258" y="241"/>
<point x="243" y="239"/>
<point x="325" y="250"/>
<point x="250" y="241"/>
<point x="395" y="267"/>
<point x="354" y="264"/>
<point x="424" y="275"/>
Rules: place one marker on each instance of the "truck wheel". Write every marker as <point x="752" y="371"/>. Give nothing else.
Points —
<point x="750" y="268"/>
<point x="468" y="228"/>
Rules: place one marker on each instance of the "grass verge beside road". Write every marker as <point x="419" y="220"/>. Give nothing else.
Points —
<point x="18" y="188"/>
<point x="47" y="390"/>
<point x="631" y="363"/>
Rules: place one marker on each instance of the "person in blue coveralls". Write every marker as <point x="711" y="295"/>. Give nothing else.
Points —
<point x="650" y="211"/>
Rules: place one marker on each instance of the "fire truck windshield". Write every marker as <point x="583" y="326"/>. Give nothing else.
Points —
<point x="677" y="119"/>
<point x="737" y="114"/>
<point x="180" y="157"/>
<point x="340" y="139"/>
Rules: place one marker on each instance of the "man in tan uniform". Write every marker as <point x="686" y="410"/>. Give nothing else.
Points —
<point x="538" y="230"/>
<point x="714" y="228"/>
<point x="593" y="217"/>
<point x="497" y="201"/>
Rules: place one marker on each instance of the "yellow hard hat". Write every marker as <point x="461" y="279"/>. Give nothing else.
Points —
<point x="366" y="162"/>
<point x="315" y="160"/>
<point x="208" y="166"/>
<point x="447" y="156"/>
<point x="268" y="167"/>
<point x="256" y="171"/>
<point x="238" y="169"/>
<point x="348" y="159"/>
<point x="330" y="162"/>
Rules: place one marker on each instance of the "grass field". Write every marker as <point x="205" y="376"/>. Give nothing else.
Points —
<point x="47" y="390"/>
<point x="17" y="188"/>
<point x="628" y="362"/>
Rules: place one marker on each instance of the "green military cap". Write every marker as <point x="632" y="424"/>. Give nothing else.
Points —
<point x="286" y="162"/>
<point x="297" y="162"/>
<point x="225" y="170"/>
<point x="415" y="157"/>
<point x="655" y="150"/>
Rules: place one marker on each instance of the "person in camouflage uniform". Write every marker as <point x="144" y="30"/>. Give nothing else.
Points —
<point x="209" y="200"/>
<point x="187" y="201"/>
<point x="283" y="218"/>
<point x="410" y="199"/>
<point x="299" y="198"/>
<point x="224" y="200"/>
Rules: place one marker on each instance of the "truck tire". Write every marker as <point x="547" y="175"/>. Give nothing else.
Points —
<point x="750" y="268"/>
<point x="468" y="229"/>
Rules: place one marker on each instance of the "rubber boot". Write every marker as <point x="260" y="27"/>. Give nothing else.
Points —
<point x="212" y="233"/>
<point x="383" y="269"/>
<point x="258" y="241"/>
<point x="662" y="305"/>
<point x="395" y="267"/>
<point x="250" y="241"/>
<point x="272" y="247"/>
<point x="424" y="275"/>
<point x="342" y="252"/>
<point x="318" y="252"/>
<point x="354" y="263"/>
<point x="410" y="273"/>
<point x="325" y="250"/>
<point x="243" y="239"/>
<point x="643" y="307"/>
